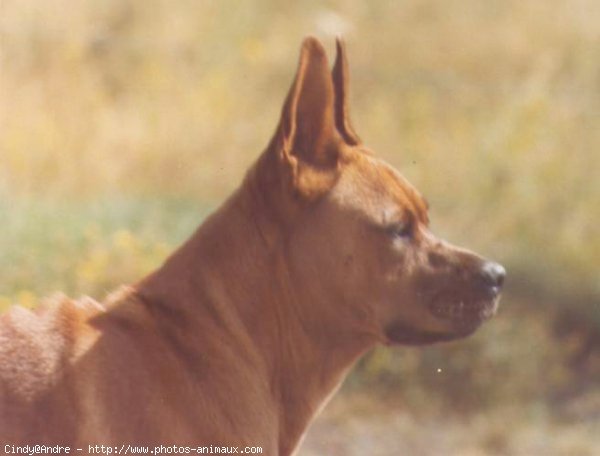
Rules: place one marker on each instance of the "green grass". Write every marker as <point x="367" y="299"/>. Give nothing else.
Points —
<point x="88" y="247"/>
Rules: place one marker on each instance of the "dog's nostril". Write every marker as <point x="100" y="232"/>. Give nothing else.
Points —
<point x="493" y="274"/>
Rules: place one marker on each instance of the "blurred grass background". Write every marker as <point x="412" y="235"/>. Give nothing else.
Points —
<point x="124" y="122"/>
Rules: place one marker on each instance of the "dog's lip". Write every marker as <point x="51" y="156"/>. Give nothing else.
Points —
<point x="462" y="311"/>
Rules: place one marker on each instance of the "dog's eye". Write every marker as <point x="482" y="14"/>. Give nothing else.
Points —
<point x="401" y="230"/>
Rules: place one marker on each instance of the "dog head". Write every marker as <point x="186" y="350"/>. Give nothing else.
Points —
<point x="358" y="245"/>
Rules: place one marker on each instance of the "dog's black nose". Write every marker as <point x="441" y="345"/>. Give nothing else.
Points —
<point x="493" y="274"/>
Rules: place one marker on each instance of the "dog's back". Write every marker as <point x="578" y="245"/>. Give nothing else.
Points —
<point x="76" y="372"/>
<point x="43" y="399"/>
<point x="35" y="349"/>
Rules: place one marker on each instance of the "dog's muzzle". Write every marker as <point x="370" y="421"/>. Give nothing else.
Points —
<point x="469" y="310"/>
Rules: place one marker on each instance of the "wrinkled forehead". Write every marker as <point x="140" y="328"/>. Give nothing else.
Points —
<point x="374" y="188"/>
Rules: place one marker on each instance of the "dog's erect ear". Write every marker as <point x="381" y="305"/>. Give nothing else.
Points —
<point x="307" y="130"/>
<point x="340" y="75"/>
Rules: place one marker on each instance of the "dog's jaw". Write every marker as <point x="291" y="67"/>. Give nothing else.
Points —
<point x="402" y="334"/>
<point x="457" y="319"/>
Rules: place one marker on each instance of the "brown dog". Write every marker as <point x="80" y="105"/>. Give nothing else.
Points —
<point x="239" y="338"/>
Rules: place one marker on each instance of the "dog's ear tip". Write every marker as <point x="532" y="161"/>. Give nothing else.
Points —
<point x="340" y="54"/>
<point x="311" y="40"/>
<point x="313" y="46"/>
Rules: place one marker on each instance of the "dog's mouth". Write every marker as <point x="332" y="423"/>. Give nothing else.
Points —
<point x="449" y="314"/>
<point x="464" y="313"/>
<point x="461" y="318"/>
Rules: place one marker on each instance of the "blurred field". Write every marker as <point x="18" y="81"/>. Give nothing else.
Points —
<point x="122" y="123"/>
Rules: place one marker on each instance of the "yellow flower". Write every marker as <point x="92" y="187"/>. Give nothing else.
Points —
<point x="5" y="302"/>
<point x="27" y="299"/>
<point x="124" y="240"/>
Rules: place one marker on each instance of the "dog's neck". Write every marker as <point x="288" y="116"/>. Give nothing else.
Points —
<point x="305" y="357"/>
